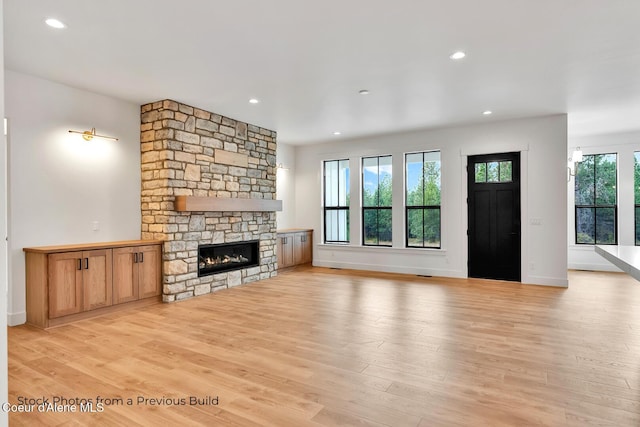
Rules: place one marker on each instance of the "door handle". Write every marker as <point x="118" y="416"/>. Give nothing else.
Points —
<point x="86" y="263"/>
<point x="79" y="263"/>
<point x="135" y="257"/>
<point x="141" y="257"/>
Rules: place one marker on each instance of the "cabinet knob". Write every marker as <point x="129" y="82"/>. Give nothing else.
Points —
<point x="135" y="257"/>
<point x="79" y="263"/>
<point x="141" y="257"/>
<point x="86" y="263"/>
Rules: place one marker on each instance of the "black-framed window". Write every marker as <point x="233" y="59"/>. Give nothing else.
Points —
<point x="636" y="186"/>
<point x="596" y="200"/>
<point x="376" y="201"/>
<point x="422" y="200"/>
<point x="336" y="201"/>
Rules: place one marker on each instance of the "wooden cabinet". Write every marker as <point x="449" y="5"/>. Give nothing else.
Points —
<point x="79" y="281"/>
<point x="65" y="284"/>
<point x="285" y="250"/>
<point x="136" y="272"/>
<point x="294" y="247"/>
<point x="70" y="282"/>
<point x="302" y="247"/>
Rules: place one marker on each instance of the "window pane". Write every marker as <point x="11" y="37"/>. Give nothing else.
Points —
<point x="636" y="177"/>
<point x="343" y="225"/>
<point x="432" y="183"/>
<point x="384" y="227"/>
<point x="637" y="226"/>
<point x="370" y="181"/>
<point x="505" y="172"/>
<point x="492" y="172"/>
<point x="432" y="228"/>
<point x="585" y="176"/>
<point x="585" y="225"/>
<point x="343" y="198"/>
<point x="414" y="179"/>
<point x="384" y="181"/>
<point x="481" y="172"/>
<point x="605" y="226"/>
<point x="370" y="227"/>
<point x="337" y="225"/>
<point x="606" y="179"/>
<point x="331" y="222"/>
<point x="376" y="185"/>
<point x="331" y="183"/>
<point x="415" y="227"/>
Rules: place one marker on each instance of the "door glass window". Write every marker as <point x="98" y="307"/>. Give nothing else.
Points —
<point x="493" y="171"/>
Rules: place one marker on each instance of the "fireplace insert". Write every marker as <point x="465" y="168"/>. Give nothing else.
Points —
<point x="213" y="259"/>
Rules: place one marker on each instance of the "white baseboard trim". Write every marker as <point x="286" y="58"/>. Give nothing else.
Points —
<point x="530" y="280"/>
<point x="546" y="281"/>
<point x="15" y="319"/>
<point x="594" y="267"/>
<point x="389" y="268"/>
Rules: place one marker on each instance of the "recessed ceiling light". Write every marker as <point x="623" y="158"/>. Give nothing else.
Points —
<point x="487" y="112"/>
<point x="458" y="55"/>
<point x="52" y="22"/>
<point x="337" y="133"/>
<point x="254" y="101"/>
<point x="364" y="92"/>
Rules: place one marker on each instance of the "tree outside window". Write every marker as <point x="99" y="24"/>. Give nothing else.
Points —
<point x="596" y="200"/>
<point x="376" y="201"/>
<point x="636" y="186"/>
<point x="423" y="199"/>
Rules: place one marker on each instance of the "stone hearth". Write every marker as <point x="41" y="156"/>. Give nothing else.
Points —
<point x="191" y="152"/>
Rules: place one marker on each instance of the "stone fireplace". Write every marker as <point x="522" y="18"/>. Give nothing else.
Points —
<point x="223" y="257"/>
<point x="186" y="151"/>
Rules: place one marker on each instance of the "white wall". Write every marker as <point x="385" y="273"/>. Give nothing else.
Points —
<point x="542" y="142"/>
<point x="285" y="185"/>
<point x="59" y="184"/>
<point x="4" y="295"/>
<point x="583" y="257"/>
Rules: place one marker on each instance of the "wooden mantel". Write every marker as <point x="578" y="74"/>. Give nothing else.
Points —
<point x="216" y="204"/>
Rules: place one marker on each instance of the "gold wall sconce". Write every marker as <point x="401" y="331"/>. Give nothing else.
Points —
<point x="88" y="135"/>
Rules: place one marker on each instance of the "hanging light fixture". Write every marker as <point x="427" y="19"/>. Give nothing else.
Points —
<point x="88" y="135"/>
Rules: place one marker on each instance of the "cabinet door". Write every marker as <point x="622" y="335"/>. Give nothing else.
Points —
<point x="307" y="247"/>
<point x="97" y="278"/>
<point x="302" y="248"/>
<point x="65" y="284"/>
<point x="125" y="275"/>
<point x="149" y="272"/>
<point x="285" y="250"/>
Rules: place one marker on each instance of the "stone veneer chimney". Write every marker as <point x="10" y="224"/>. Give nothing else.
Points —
<point x="179" y="146"/>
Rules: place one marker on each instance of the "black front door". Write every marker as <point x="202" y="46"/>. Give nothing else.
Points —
<point x="494" y="216"/>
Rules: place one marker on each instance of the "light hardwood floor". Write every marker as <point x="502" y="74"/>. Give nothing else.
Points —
<point x="326" y="347"/>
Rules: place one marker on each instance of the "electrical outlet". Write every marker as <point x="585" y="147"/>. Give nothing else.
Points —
<point x="535" y="221"/>
<point x="95" y="225"/>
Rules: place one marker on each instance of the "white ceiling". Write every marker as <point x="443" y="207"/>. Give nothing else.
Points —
<point x="306" y="61"/>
